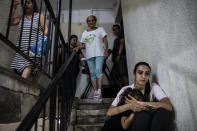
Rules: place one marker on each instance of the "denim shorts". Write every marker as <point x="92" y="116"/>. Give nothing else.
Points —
<point x="95" y="65"/>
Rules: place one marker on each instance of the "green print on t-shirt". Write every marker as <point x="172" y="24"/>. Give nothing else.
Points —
<point x="89" y="39"/>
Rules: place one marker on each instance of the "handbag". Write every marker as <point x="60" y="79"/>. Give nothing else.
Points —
<point x="42" y="43"/>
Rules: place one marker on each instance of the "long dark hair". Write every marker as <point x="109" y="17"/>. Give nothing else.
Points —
<point x="137" y="94"/>
<point x="34" y="5"/>
<point x="147" y="88"/>
<point x="116" y="25"/>
<point x="73" y="36"/>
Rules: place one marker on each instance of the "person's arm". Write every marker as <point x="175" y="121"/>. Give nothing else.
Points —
<point x="79" y="47"/>
<point x="114" y="110"/>
<point x="126" y="121"/>
<point x="81" y="55"/>
<point x="130" y="105"/>
<point x="42" y="21"/>
<point x="15" y="20"/>
<point x="106" y="46"/>
<point x="163" y="103"/>
<point x="122" y="45"/>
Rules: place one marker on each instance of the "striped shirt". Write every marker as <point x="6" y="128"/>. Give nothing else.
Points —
<point x="19" y="63"/>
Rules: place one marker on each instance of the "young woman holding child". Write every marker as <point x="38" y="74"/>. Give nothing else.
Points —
<point x="152" y="114"/>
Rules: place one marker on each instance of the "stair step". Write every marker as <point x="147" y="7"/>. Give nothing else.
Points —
<point x="91" y="119"/>
<point x="18" y="95"/>
<point x="13" y="126"/>
<point x="96" y="101"/>
<point x="82" y="113"/>
<point x="93" y="106"/>
<point x="9" y="126"/>
<point x="91" y="116"/>
<point x="89" y="104"/>
<point x="92" y="127"/>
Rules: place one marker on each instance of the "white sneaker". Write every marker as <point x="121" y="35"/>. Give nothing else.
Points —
<point x="99" y="91"/>
<point x="93" y="94"/>
<point x="98" y="94"/>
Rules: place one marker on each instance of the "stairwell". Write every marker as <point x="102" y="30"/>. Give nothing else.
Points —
<point x="17" y="98"/>
<point x="89" y="114"/>
<point x="19" y="95"/>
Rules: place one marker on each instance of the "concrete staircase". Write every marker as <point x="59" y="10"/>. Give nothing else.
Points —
<point x="18" y="95"/>
<point x="89" y="114"/>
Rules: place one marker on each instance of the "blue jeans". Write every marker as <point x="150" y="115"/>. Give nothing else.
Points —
<point x="95" y="65"/>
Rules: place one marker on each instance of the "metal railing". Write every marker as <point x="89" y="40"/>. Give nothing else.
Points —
<point x="64" y="99"/>
<point x="53" y="108"/>
<point x="42" y="58"/>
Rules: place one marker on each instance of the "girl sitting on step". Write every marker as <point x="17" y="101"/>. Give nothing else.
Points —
<point x="128" y="116"/>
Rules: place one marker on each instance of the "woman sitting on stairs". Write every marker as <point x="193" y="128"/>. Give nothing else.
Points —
<point x="151" y="115"/>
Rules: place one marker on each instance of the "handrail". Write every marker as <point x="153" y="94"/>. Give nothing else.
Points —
<point x="31" y="117"/>
<point x="15" y="48"/>
<point x="64" y="77"/>
<point x="50" y="9"/>
<point x="69" y="21"/>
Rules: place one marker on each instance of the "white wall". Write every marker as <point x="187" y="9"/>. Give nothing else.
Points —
<point x="163" y="33"/>
<point x="6" y="54"/>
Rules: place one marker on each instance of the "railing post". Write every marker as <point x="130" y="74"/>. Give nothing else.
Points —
<point x="46" y="62"/>
<point x="22" y="24"/>
<point x="62" y="103"/>
<point x="32" y="20"/>
<point x="69" y="23"/>
<point x="9" y="21"/>
<point x="55" y="51"/>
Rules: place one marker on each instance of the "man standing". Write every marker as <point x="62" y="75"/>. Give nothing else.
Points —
<point x="119" y="71"/>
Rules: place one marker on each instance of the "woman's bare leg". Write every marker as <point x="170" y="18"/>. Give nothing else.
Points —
<point x="99" y="82"/>
<point x="94" y="84"/>
<point x="26" y="72"/>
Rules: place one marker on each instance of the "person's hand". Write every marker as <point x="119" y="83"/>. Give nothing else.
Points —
<point x="134" y="105"/>
<point x="76" y="49"/>
<point x="118" y="58"/>
<point x="150" y="106"/>
<point x="130" y="100"/>
<point x="147" y="106"/>
<point x="16" y="3"/>
<point x="106" y="54"/>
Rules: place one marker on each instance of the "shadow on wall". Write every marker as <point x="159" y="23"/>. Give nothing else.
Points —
<point x="172" y="123"/>
<point x="191" y="75"/>
<point x="140" y="4"/>
<point x="6" y="55"/>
